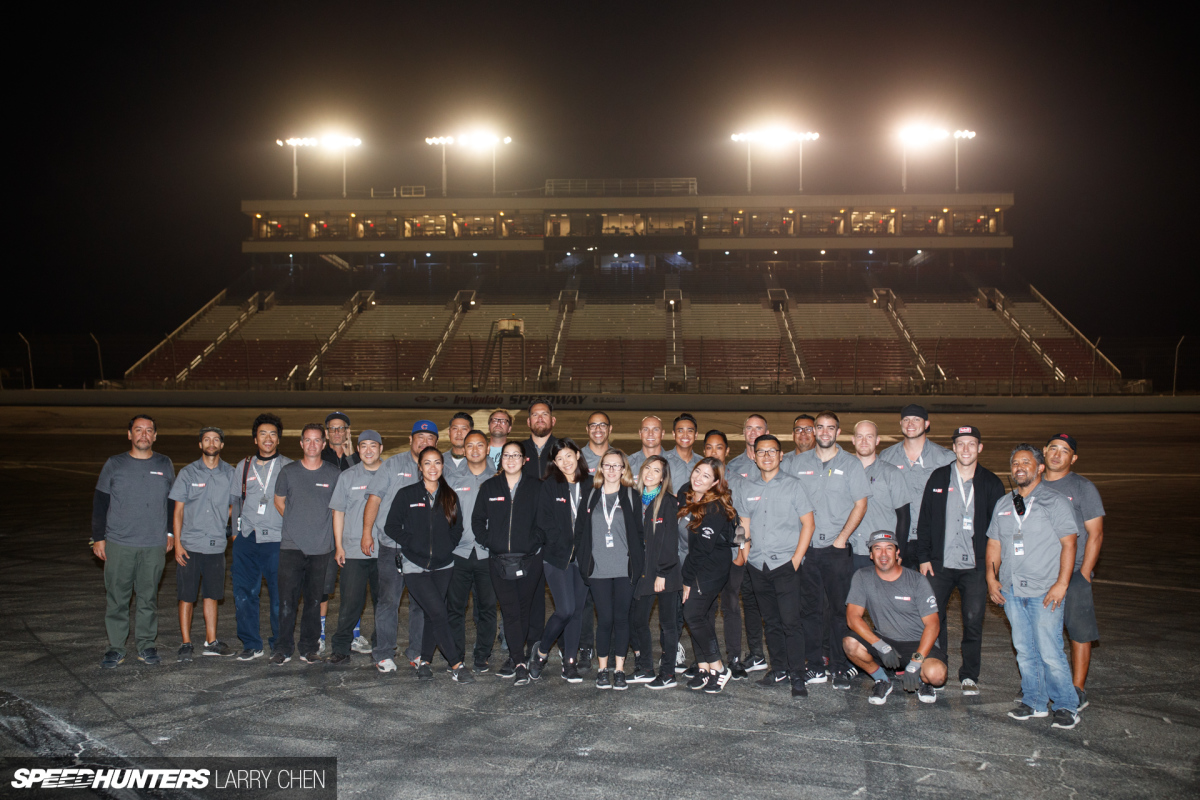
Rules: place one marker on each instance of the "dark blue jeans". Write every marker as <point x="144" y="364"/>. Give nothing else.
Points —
<point x="252" y="564"/>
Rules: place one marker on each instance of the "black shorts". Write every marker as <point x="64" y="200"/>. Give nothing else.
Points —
<point x="204" y="575"/>
<point x="330" y="577"/>
<point x="904" y="649"/>
<point x="1079" y="610"/>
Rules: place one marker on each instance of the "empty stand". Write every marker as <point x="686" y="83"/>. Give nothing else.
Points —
<point x="616" y="341"/>
<point x="463" y="361"/>
<point x="968" y="341"/>
<point x="734" y="340"/>
<point x="849" y="340"/>
<point x="271" y="343"/>
<point x="388" y="343"/>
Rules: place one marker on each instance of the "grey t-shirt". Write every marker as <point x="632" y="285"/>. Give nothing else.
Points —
<point x="916" y="474"/>
<point x="896" y="607"/>
<point x="137" y="508"/>
<point x="307" y="517"/>
<point x="591" y="459"/>
<point x="637" y="459"/>
<point x="205" y="494"/>
<point x="1031" y="569"/>
<point x="834" y="486"/>
<point x="466" y="485"/>
<point x="744" y="467"/>
<point x="610" y="547"/>
<point x="681" y="471"/>
<point x="958" y="550"/>
<point x="774" y="508"/>
<point x="1085" y="504"/>
<point x="886" y="491"/>
<point x="261" y="480"/>
<point x="397" y="472"/>
<point x="350" y="498"/>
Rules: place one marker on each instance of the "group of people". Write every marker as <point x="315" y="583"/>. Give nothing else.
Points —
<point x="843" y="562"/>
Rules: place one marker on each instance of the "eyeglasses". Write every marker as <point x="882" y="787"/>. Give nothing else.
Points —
<point x="612" y="466"/>
<point x="593" y="425"/>
<point x="803" y="429"/>
<point x="500" y="420"/>
<point x="338" y="429"/>
<point x="770" y="451"/>
<point x="512" y="456"/>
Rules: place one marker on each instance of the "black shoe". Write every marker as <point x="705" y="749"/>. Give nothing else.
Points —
<point x="1024" y="712"/>
<point x="536" y="665"/>
<point x="772" y="678"/>
<point x="717" y="681"/>
<point x="311" y="658"/>
<point x="521" y="675"/>
<point x="665" y="680"/>
<point x="462" y="675"/>
<point x="603" y="681"/>
<point x="186" y="650"/>
<point x="481" y="666"/>
<point x="880" y="692"/>
<point x="150" y="657"/>
<point x="250" y="655"/>
<point x="570" y="673"/>
<point x="699" y="681"/>
<point x="424" y="671"/>
<point x="798" y="688"/>
<point x="279" y="658"/>
<point x="507" y="670"/>
<point x="737" y="671"/>
<point x="691" y="671"/>
<point x="112" y="659"/>
<point x="813" y="676"/>
<point x="756" y="664"/>
<point x="1064" y="719"/>
<point x="583" y="660"/>
<point x="619" y="683"/>
<point x="841" y="680"/>
<point x="337" y="659"/>
<point x="642" y="676"/>
<point x="216" y="648"/>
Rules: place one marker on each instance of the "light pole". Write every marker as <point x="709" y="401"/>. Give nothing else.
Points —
<point x="1174" y="377"/>
<point x="342" y="143"/>
<point x="29" y="350"/>
<point x="958" y="136"/>
<point x="776" y="136"/>
<point x="443" y="141"/>
<point x="483" y="140"/>
<point x="913" y="137"/>
<point x="99" y="356"/>
<point x="293" y="143"/>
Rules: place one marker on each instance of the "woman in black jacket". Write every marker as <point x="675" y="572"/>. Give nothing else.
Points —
<point x="711" y="522"/>
<point x="558" y="506"/>
<point x="425" y="521"/>
<point x="503" y="521"/>
<point x="608" y="546"/>
<point x="660" y="576"/>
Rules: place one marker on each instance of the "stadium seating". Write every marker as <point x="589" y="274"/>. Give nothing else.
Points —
<point x="968" y="341"/>
<point x="614" y="341"/>
<point x="847" y="340"/>
<point x="271" y="343"/>
<point x="734" y="340"/>
<point x="387" y="342"/>
<point x="1069" y="354"/>
<point x="464" y="357"/>
<point x="173" y="357"/>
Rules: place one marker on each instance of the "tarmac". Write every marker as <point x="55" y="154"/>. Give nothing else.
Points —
<point x="394" y="736"/>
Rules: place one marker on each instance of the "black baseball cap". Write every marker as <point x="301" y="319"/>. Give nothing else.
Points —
<point x="914" y="410"/>
<point x="1065" y="437"/>
<point x="337" y="415"/>
<point x="967" y="430"/>
<point x="882" y="537"/>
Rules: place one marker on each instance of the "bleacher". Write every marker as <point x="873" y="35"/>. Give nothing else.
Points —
<point x="271" y="343"/>
<point x="464" y="356"/>
<point x="615" y="341"/>
<point x="734" y="340"/>
<point x="847" y="340"/>
<point x="968" y="341"/>
<point x="174" y="356"/>
<point x="1069" y="354"/>
<point x="387" y="342"/>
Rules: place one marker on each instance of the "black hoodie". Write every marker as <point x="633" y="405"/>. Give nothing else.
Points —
<point x="661" y="560"/>
<point x="503" y="523"/>
<point x="420" y="528"/>
<point x="555" y="522"/>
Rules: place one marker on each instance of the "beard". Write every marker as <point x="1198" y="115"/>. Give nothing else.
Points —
<point x="540" y="429"/>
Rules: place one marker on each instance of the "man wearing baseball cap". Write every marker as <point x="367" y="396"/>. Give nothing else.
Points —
<point x="902" y="606"/>
<point x="916" y="457"/>
<point x="340" y="453"/>
<point x="1079" y="612"/>
<point x="951" y="549"/>
<point x="397" y="472"/>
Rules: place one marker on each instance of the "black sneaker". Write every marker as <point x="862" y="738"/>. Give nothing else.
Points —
<point x="1082" y="695"/>
<point x="880" y="692"/>
<point x="756" y="664"/>
<point x="424" y="671"/>
<point x="1023" y="711"/>
<point x="815" y="676"/>
<point x="507" y="670"/>
<point x="521" y="675"/>
<point x="311" y="658"/>
<point x="279" y="658"/>
<point x="619" y="682"/>
<point x="481" y="666"/>
<point x="737" y="671"/>
<point x="772" y="678"/>
<point x="250" y="655"/>
<point x="700" y="681"/>
<point x="642" y="676"/>
<point x="852" y="672"/>
<point x="603" y="681"/>
<point x="665" y="680"/>
<point x="926" y="693"/>
<point x="583" y="660"/>
<point x="150" y="657"/>
<point x="570" y="673"/>
<point x="217" y="648"/>
<point x="798" y="688"/>
<point x="717" y="681"/>
<point x="337" y="659"/>
<point x="691" y="671"/>
<point x="186" y="651"/>
<point x="1064" y="719"/>
<point x="112" y="659"/>
<point x="536" y="665"/>
<point x="462" y="675"/>
<point x="841" y="680"/>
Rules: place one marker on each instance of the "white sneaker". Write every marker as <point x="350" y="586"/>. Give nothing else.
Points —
<point x="969" y="687"/>
<point x="361" y="644"/>
<point x="321" y="647"/>
<point x="387" y="665"/>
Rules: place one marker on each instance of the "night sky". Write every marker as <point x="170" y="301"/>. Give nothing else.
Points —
<point x="148" y="130"/>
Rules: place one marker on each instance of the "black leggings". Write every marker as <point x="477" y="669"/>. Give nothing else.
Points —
<point x="642" y="606"/>
<point x="429" y="590"/>
<point x="516" y="603"/>
<point x="569" y="592"/>
<point x="704" y="634"/>
<point x="613" y="598"/>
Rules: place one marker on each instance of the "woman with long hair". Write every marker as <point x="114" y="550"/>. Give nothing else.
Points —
<point x="707" y="511"/>
<point x="608" y="546"/>
<point x="503" y="521"/>
<point x="558" y="507"/>
<point x="425" y="521"/>
<point x="660" y="576"/>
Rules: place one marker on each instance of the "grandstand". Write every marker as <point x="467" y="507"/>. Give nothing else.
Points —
<point x="631" y="287"/>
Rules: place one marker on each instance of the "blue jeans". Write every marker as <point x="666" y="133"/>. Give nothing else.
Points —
<point x="253" y="563"/>
<point x="1037" y="633"/>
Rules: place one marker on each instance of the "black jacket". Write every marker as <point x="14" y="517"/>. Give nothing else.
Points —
<point x="660" y="533"/>
<point x="555" y="523"/>
<point x="931" y="525"/>
<point x="706" y="568"/>
<point x="420" y="528"/>
<point x="505" y="524"/>
<point x="535" y="463"/>
<point x="632" y="513"/>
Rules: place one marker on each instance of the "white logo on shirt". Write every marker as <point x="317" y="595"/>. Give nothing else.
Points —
<point x="838" y="472"/>
<point x="199" y="485"/>
<point x="754" y="499"/>
<point x="322" y="485"/>
<point x="358" y="488"/>
<point x="416" y="505"/>
<point x="152" y="472"/>
<point x="905" y="599"/>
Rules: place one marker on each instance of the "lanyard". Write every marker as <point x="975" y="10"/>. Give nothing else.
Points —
<point x="258" y="477"/>
<point x="1021" y="519"/>
<point x="574" y="492"/>
<point x="966" y="499"/>
<point x="609" y="517"/>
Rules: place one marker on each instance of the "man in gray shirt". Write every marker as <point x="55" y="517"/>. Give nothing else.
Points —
<point x="599" y="429"/>
<point x="471" y="574"/>
<point x="803" y="436"/>
<point x="887" y="498"/>
<point x="201" y="517"/>
<point x="682" y="459"/>
<point x="916" y="457"/>
<point x="837" y="485"/>
<point x="650" y="433"/>
<point x="1030" y="558"/>
<point x="131" y="535"/>
<point x="302" y="496"/>
<point x="744" y="465"/>
<point x="397" y="472"/>
<point x="777" y="515"/>
<point x="256" y="538"/>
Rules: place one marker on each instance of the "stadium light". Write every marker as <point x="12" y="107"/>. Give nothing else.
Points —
<point x="443" y="141"/>
<point x="293" y="143"/>
<point x="342" y="143"/>
<point x="959" y="136"/>
<point x="775" y="136"/>
<point x="482" y="141"/>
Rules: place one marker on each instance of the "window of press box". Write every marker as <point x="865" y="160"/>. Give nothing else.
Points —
<point x="577" y="224"/>
<point x="820" y="223"/>
<point x="470" y="226"/>
<point x="622" y="225"/>
<point x="720" y="223"/>
<point x="272" y="227"/>
<point x="771" y="223"/>
<point x="923" y="222"/>
<point x="873" y="223"/>
<point x="671" y="223"/>
<point x="976" y="222"/>
<point x="521" y="226"/>
<point x="379" y="228"/>
<point x="425" y="226"/>
<point x="328" y="227"/>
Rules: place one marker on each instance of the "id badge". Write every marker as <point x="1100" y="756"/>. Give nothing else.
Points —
<point x="262" y="509"/>
<point x="968" y="524"/>
<point x="1018" y="547"/>
<point x="608" y="540"/>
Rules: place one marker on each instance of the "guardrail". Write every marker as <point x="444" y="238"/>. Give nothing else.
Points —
<point x="249" y="309"/>
<point x="1075" y="331"/>
<point x="620" y="187"/>
<point x="171" y="336"/>
<point x="1001" y="305"/>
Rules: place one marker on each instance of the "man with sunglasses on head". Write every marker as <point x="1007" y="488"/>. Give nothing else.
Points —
<point x="916" y="457"/>
<point x="1030" y="559"/>
<point x="339" y="451"/>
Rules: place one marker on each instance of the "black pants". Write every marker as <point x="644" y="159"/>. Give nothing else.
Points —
<point x="569" y="593"/>
<point x="642" y="638"/>
<point x="678" y="625"/>
<point x="973" y="593"/>
<point x="700" y="610"/>
<point x="300" y="575"/>
<point x="587" y="628"/>
<point x="471" y="574"/>
<point x="359" y="575"/>
<point x="537" y="614"/>
<point x="827" y="574"/>
<point x="429" y="590"/>
<point x="516" y="604"/>
<point x="736" y="597"/>
<point x="613" y="597"/>
<point x="779" y="598"/>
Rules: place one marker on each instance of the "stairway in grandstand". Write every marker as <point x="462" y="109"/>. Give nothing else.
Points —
<point x="1060" y="343"/>
<point x="172" y="356"/>
<point x="849" y="340"/>
<point x="386" y="346"/>
<point x="968" y="341"/>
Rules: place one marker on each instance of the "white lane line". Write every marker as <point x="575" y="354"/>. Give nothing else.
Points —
<point x="1147" y="586"/>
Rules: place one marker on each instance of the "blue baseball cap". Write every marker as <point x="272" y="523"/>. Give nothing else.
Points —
<point x="425" y="426"/>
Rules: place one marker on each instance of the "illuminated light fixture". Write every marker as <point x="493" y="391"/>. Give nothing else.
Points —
<point x="429" y="255"/>
<point x="381" y="255"/>
<point x="918" y="252"/>
<point x="822" y="252"/>
<point x="916" y="136"/>
<point x="258" y="216"/>
<point x="726" y="252"/>
<point x="945" y="211"/>
<point x="474" y="255"/>
<point x="997" y="211"/>
<point x="352" y="215"/>
<point x="294" y="142"/>
<point x="775" y="136"/>
<point x="678" y="252"/>
<point x="631" y="255"/>
<point x="870" y="252"/>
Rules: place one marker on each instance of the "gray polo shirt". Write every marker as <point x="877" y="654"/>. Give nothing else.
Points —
<point x="258" y="509"/>
<point x="591" y="460"/>
<point x="886" y="491"/>
<point x="916" y="473"/>
<point x="681" y="471"/>
<point x="397" y="472"/>
<point x="307" y="517"/>
<point x="896" y="607"/>
<point x="1085" y="504"/>
<point x="958" y="550"/>
<point x="137" y="508"/>
<point x="1032" y="568"/>
<point x="350" y="498"/>
<point x="774" y="508"/>
<point x="205" y="494"/>
<point x="834" y="486"/>
<point x="466" y="485"/>
<point x="638" y="458"/>
<point x="743" y="466"/>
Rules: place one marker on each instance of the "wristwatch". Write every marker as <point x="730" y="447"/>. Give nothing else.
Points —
<point x="917" y="657"/>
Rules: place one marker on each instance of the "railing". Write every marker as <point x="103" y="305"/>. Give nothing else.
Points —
<point x="249" y="309"/>
<point x="171" y="337"/>
<point x="1000" y="303"/>
<point x="352" y="307"/>
<point x="405" y="191"/>
<point x="618" y="187"/>
<point x="889" y="306"/>
<point x="447" y="335"/>
<point x="1075" y="331"/>
<point x="797" y="359"/>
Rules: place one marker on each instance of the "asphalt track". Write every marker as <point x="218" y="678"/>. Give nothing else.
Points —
<point x="396" y="737"/>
